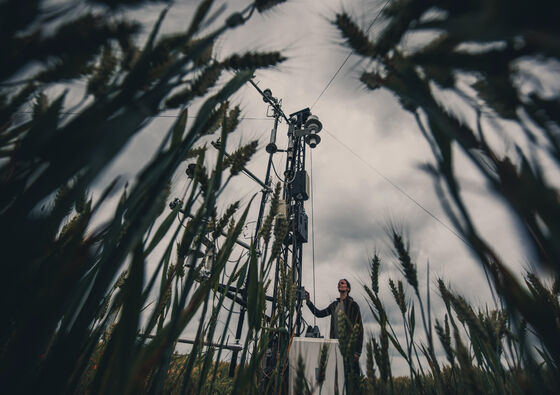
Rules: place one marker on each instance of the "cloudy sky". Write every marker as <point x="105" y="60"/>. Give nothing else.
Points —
<point x="365" y="171"/>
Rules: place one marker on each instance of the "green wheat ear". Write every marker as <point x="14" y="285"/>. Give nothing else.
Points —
<point x="300" y="385"/>
<point x="403" y="255"/>
<point x="398" y="295"/>
<point x="231" y="121"/>
<point x="223" y="221"/>
<point x="374" y="273"/>
<point x="198" y="87"/>
<point x="266" y="228"/>
<point x="370" y="367"/>
<point x="241" y="157"/>
<point x="280" y="231"/>
<point x="323" y="359"/>
<point x="264" y="5"/>
<point x="445" y="339"/>
<point x="342" y="333"/>
<point x="354" y="36"/>
<point x="252" y="61"/>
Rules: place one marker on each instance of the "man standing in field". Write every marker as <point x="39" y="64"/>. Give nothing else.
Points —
<point x="351" y="312"/>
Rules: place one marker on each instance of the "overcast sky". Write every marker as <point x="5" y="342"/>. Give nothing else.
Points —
<point x="365" y="165"/>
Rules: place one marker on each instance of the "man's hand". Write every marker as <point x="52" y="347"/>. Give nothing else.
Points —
<point x="356" y="357"/>
<point x="307" y="297"/>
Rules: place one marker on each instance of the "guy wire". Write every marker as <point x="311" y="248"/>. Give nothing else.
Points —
<point x="348" y="57"/>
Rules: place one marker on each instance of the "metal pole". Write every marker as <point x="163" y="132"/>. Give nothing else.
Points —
<point x="233" y="362"/>
<point x="265" y="191"/>
<point x="269" y="181"/>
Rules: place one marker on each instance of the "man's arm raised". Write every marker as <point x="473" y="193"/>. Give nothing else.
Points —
<point x="316" y="312"/>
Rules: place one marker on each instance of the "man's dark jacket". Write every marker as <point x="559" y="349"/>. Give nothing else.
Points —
<point x="352" y="311"/>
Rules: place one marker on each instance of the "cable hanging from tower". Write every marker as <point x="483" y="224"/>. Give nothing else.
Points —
<point x="347" y="57"/>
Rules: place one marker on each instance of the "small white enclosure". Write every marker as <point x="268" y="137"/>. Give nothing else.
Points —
<point x="309" y="348"/>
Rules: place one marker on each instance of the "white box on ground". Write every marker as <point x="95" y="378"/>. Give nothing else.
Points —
<point x="309" y="348"/>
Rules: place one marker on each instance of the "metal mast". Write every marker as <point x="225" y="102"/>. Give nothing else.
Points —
<point x="302" y="130"/>
<point x="271" y="148"/>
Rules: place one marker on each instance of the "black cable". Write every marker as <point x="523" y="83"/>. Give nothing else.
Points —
<point x="243" y="254"/>
<point x="401" y="190"/>
<point x="229" y="311"/>
<point x="275" y="172"/>
<point x="348" y="57"/>
<point x="280" y="178"/>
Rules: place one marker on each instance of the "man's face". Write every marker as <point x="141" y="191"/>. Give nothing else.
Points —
<point x="342" y="286"/>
